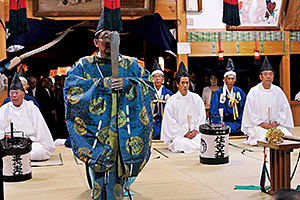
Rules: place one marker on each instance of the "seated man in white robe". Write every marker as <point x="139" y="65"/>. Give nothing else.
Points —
<point x="26" y="117"/>
<point x="184" y="113"/>
<point x="266" y="107"/>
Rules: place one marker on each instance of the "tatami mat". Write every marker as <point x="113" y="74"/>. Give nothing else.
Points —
<point x="166" y="176"/>
<point x="55" y="159"/>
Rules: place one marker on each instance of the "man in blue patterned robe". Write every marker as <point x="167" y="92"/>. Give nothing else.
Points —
<point x="161" y="97"/>
<point x="109" y="119"/>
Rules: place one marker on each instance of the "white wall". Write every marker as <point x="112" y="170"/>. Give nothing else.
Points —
<point x="209" y="18"/>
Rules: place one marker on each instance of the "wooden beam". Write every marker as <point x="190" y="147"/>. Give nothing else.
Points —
<point x="202" y="49"/>
<point x="181" y="31"/>
<point x="166" y="8"/>
<point x="295" y="47"/>
<point x="285" y="70"/>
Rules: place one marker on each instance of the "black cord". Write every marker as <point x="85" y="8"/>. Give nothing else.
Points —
<point x="3" y="25"/>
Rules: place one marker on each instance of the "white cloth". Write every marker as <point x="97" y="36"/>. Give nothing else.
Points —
<point x="297" y="97"/>
<point x="33" y="92"/>
<point x="28" y="118"/>
<point x="60" y="142"/>
<point x="206" y="95"/>
<point x="256" y="112"/>
<point x="225" y="88"/>
<point x="158" y="92"/>
<point x="158" y="71"/>
<point x="229" y="73"/>
<point x="175" y="122"/>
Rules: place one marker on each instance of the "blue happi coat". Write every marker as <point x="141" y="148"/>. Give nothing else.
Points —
<point x="159" y="107"/>
<point x="229" y="107"/>
<point x="109" y="137"/>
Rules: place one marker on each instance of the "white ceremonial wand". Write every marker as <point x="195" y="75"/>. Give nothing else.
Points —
<point x="97" y="133"/>
<point x="269" y="114"/>
<point x="189" y="122"/>
<point x="221" y="112"/>
<point x="128" y="124"/>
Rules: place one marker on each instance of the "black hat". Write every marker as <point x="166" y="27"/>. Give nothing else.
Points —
<point x="156" y="69"/>
<point x="266" y="66"/>
<point x="110" y="18"/>
<point x="182" y="72"/>
<point x="100" y="26"/>
<point x="229" y="66"/>
<point x="16" y="83"/>
<point x="21" y="71"/>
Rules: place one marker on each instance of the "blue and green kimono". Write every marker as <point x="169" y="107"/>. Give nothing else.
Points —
<point x="159" y="107"/>
<point x="112" y="136"/>
<point x="233" y="108"/>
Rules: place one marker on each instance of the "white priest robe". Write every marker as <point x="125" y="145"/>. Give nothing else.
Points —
<point x="28" y="118"/>
<point x="175" y="122"/>
<point x="256" y="111"/>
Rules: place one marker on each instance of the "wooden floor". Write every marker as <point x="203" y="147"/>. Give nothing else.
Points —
<point x="166" y="176"/>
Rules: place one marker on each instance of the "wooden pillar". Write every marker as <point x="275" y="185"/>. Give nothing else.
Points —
<point x="2" y="32"/>
<point x="285" y="71"/>
<point x="3" y="93"/>
<point x="181" y="31"/>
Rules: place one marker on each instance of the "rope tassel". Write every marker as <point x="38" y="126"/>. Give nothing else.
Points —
<point x="112" y="15"/>
<point x="17" y="17"/>
<point x="232" y="103"/>
<point x="256" y="54"/>
<point x="221" y="57"/>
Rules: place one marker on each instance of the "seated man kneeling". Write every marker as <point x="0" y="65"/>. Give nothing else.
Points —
<point x="27" y="118"/>
<point x="176" y="128"/>
<point x="266" y="107"/>
<point x="231" y="100"/>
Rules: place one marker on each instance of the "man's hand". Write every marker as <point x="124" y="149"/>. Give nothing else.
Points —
<point x="267" y="126"/>
<point x="273" y="125"/>
<point x="117" y="83"/>
<point x="264" y="125"/>
<point x="191" y="134"/>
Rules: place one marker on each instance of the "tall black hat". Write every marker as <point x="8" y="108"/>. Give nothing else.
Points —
<point x="156" y="69"/>
<point x="266" y="66"/>
<point x="229" y="66"/>
<point x="21" y="71"/>
<point x="16" y="83"/>
<point x="110" y="18"/>
<point x="182" y="72"/>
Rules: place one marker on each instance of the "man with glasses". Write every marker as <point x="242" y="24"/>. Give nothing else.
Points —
<point x="27" y="97"/>
<point x="109" y="119"/>
<point x="266" y="107"/>
<point x="26" y="117"/>
<point x="161" y="97"/>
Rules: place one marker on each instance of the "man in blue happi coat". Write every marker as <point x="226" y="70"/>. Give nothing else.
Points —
<point x="109" y="119"/>
<point x="161" y="97"/>
<point x="227" y="104"/>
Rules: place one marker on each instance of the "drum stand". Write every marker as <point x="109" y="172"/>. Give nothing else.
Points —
<point x="280" y="163"/>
